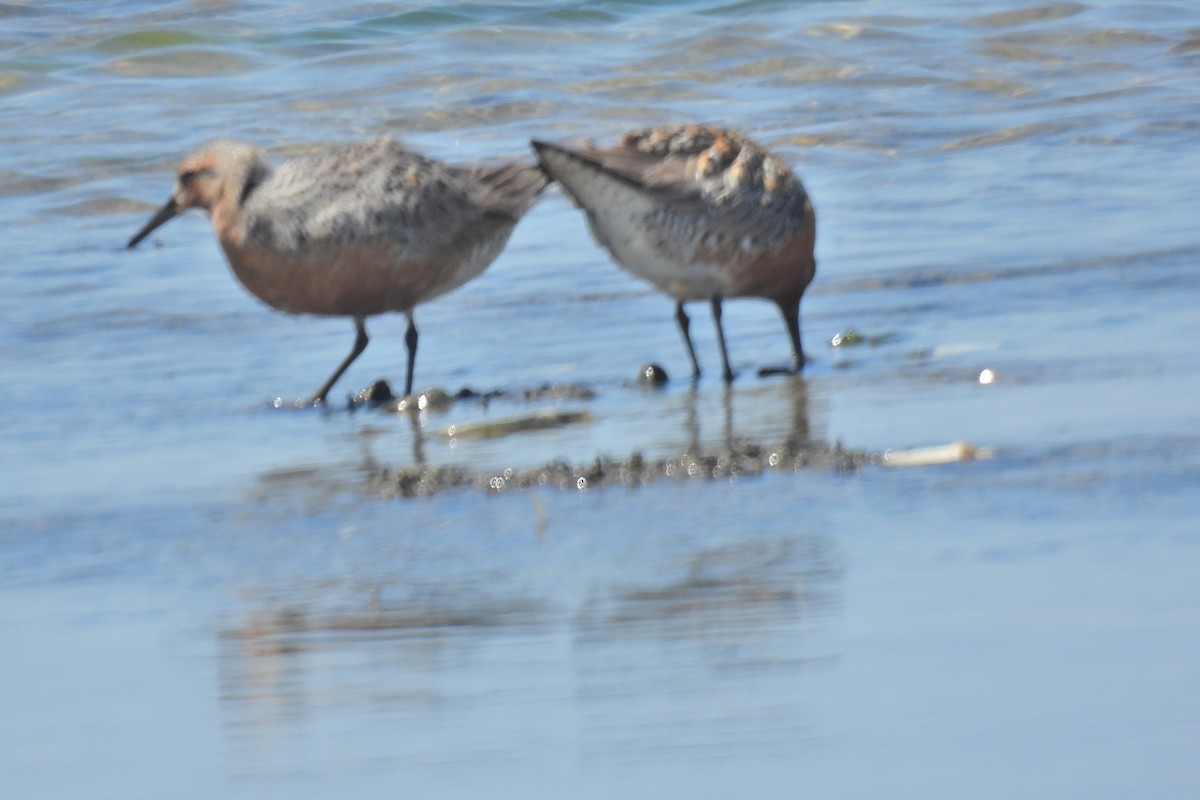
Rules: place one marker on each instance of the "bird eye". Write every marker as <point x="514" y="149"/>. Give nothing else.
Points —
<point x="187" y="176"/>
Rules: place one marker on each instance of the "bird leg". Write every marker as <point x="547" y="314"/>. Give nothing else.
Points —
<point x="791" y="318"/>
<point x="360" y="344"/>
<point x="681" y="318"/>
<point x="410" y="341"/>
<point x="716" y="314"/>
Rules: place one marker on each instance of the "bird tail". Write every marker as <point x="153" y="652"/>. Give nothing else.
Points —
<point x="512" y="187"/>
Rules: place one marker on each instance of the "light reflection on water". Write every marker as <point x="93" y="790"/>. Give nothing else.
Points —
<point x="1000" y="186"/>
<point x="595" y="662"/>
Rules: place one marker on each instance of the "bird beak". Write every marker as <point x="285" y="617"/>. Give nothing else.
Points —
<point x="169" y="209"/>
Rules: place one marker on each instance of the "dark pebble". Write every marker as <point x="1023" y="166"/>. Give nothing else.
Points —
<point x="378" y="392"/>
<point x="652" y="375"/>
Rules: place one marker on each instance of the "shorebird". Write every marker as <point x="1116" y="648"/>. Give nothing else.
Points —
<point x="702" y="213"/>
<point x="353" y="230"/>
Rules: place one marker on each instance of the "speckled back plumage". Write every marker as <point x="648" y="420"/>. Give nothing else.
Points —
<point x="727" y="168"/>
<point x="379" y="191"/>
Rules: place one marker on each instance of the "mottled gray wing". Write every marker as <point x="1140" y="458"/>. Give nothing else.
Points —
<point x="674" y="183"/>
<point x="665" y="179"/>
<point x="368" y="193"/>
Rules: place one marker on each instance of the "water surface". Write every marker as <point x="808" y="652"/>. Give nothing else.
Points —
<point x="204" y="597"/>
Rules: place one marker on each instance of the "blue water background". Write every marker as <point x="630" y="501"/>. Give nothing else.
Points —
<point x="201" y="599"/>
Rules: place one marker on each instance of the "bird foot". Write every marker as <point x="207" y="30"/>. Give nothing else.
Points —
<point x="780" y="369"/>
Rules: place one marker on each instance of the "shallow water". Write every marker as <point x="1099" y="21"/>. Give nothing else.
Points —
<point x="203" y="596"/>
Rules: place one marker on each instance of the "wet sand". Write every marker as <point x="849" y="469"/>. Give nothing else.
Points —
<point x="731" y="460"/>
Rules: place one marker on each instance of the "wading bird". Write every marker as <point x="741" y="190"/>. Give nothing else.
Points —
<point x="702" y="213"/>
<point x="353" y="230"/>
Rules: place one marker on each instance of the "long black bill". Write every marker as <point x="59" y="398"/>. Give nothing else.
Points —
<point x="170" y="209"/>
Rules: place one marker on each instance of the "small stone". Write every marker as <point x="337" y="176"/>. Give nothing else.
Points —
<point x="434" y="400"/>
<point x="378" y="392"/>
<point x="652" y="375"/>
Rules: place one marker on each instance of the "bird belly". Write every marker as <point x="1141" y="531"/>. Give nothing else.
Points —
<point x="347" y="281"/>
<point x="712" y="263"/>
<point x="672" y="263"/>
<point x="687" y="281"/>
